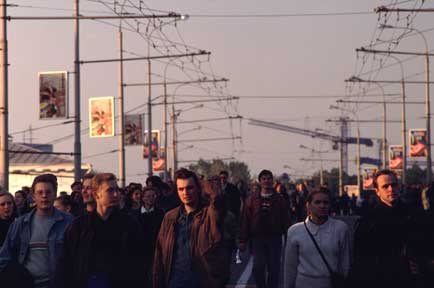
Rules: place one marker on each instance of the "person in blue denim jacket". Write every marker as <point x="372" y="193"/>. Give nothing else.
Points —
<point x="35" y="240"/>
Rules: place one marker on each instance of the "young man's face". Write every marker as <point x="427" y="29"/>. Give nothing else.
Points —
<point x="86" y="192"/>
<point x="44" y="195"/>
<point x="107" y="194"/>
<point x="387" y="189"/>
<point x="6" y="207"/>
<point x="187" y="191"/>
<point x="223" y="179"/>
<point x="266" y="182"/>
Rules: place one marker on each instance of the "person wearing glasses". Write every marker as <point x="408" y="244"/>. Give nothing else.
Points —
<point x="381" y="238"/>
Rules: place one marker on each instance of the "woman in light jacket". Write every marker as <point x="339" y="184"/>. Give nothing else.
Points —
<point x="304" y="266"/>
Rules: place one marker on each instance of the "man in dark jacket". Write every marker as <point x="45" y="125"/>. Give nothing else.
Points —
<point x="150" y="219"/>
<point x="190" y="250"/>
<point x="265" y="220"/>
<point x="381" y="239"/>
<point x="230" y="194"/>
<point x="103" y="248"/>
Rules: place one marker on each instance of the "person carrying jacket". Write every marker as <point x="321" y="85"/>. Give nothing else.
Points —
<point x="34" y="241"/>
<point x="190" y="250"/>
<point x="265" y="221"/>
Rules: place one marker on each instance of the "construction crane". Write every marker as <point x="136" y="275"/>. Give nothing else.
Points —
<point x="338" y="141"/>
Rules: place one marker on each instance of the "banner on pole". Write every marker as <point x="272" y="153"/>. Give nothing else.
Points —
<point x="133" y="129"/>
<point x="418" y="142"/>
<point x="101" y="120"/>
<point x="395" y="157"/>
<point x="368" y="178"/>
<point x="158" y="164"/>
<point x="53" y="94"/>
<point x="155" y="144"/>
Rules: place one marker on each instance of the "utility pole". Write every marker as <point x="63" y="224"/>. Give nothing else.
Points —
<point x="4" y="144"/>
<point x="150" y="169"/>
<point x="427" y="83"/>
<point x="164" y="83"/>
<point x="384" y="143"/>
<point x="77" y="105"/>
<point x="121" y="116"/>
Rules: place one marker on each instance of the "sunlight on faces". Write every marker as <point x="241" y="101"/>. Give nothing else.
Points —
<point x="387" y="189"/>
<point x="44" y="195"/>
<point x="86" y="193"/>
<point x="107" y="194"/>
<point x="266" y="182"/>
<point x="320" y="206"/>
<point x="6" y="207"/>
<point x="187" y="191"/>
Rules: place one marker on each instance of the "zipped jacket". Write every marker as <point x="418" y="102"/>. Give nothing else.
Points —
<point x="16" y="245"/>
<point x="207" y="250"/>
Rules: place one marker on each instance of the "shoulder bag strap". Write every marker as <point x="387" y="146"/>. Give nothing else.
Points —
<point x="317" y="248"/>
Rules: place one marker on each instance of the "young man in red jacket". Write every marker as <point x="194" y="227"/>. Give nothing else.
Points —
<point x="265" y="220"/>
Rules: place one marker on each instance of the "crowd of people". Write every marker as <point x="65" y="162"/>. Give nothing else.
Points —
<point x="188" y="232"/>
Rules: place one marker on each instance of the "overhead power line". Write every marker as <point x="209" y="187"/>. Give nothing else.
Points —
<point x="280" y="15"/>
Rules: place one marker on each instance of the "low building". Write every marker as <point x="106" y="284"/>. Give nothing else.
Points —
<point x="26" y="162"/>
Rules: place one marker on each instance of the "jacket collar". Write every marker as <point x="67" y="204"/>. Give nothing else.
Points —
<point x="57" y="215"/>
<point x="314" y="228"/>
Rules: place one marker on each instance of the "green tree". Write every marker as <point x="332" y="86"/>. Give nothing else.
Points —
<point x="237" y="170"/>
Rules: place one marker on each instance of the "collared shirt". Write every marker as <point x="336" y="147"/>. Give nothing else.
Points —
<point x="182" y="271"/>
<point x="144" y="210"/>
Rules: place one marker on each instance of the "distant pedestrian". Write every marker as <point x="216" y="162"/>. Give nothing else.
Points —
<point x="8" y="213"/>
<point x="265" y="222"/>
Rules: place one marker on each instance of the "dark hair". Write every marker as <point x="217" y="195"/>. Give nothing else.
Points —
<point x="151" y="188"/>
<point x="45" y="178"/>
<point x="383" y="172"/>
<point x="75" y="183"/>
<point x="100" y="178"/>
<point x="319" y="190"/>
<point x="153" y="181"/>
<point x="87" y="176"/>
<point x="65" y="200"/>
<point x="264" y="173"/>
<point x="186" y="174"/>
<point x="224" y="172"/>
<point x="134" y="186"/>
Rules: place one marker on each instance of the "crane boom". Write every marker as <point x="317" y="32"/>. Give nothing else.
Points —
<point x="314" y="134"/>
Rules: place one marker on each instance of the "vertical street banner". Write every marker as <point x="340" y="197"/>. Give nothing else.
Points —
<point x="418" y="142"/>
<point x="368" y="178"/>
<point x="53" y="95"/>
<point x="158" y="164"/>
<point x="133" y="129"/>
<point x="395" y="157"/>
<point x="101" y="117"/>
<point x="155" y="144"/>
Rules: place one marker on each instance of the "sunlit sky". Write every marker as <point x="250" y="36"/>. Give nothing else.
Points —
<point x="286" y="60"/>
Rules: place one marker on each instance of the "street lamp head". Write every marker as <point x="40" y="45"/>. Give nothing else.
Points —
<point x="184" y="17"/>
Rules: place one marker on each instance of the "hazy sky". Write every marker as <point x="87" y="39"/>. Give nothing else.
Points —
<point x="292" y="49"/>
